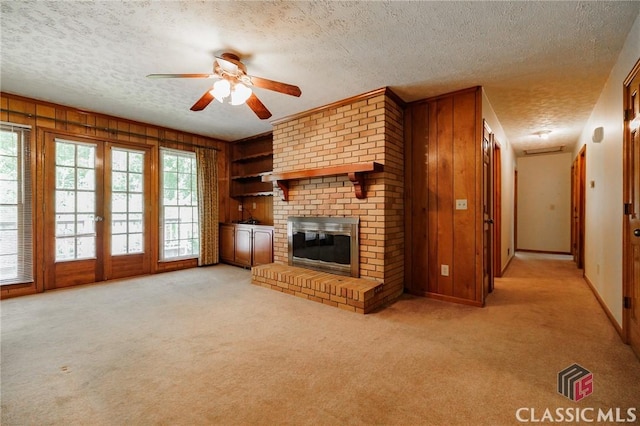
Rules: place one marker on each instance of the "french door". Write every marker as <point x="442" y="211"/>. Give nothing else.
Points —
<point x="97" y="210"/>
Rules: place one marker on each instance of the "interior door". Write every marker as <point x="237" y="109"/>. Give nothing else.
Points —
<point x="631" y="239"/>
<point x="96" y="210"/>
<point x="497" y="209"/>
<point x="574" y="210"/>
<point x="579" y="206"/>
<point x="487" y="208"/>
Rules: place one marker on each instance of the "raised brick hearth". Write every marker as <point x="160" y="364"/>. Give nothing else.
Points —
<point x="365" y="129"/>
<point x="352" y="294"/>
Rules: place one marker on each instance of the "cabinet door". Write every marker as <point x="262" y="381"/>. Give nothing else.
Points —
<point x="227" y="243"/>
<point x="262" y="246"/>
<point x="243" y="246"/>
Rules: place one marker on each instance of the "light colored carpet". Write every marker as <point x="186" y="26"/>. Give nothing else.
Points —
<point x="204" y="346"/>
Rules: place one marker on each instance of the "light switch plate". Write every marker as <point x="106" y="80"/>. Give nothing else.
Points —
<point x="444" y="270"/>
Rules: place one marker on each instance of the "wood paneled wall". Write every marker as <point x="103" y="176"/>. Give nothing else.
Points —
<point x="443" y="164"/>
<point x="44" y="116"/>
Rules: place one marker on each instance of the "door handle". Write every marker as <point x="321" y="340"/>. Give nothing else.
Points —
<point x="98" y="218"/>
<point x="490" y="222"/>
<point x="636" y="232"/>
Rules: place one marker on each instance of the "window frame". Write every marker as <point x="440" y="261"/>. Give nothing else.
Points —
<point x="162" y="256"/>
<point x="24" y="206"/>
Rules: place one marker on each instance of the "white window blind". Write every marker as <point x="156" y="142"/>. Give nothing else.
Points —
<point x="16" y="242"/>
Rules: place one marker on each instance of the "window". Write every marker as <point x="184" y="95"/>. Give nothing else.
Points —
<point x="179" y="205"/>
<point x="16" y="262"/>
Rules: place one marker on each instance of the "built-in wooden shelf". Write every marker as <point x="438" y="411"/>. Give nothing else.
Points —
<point x="355" y="172"/>
<point x="254" y="194"/>
<point x="251" y="176"/>
<point x="252" y="157"/>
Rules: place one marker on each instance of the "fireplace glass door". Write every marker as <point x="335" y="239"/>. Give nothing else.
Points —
<point x="324" y="243"/>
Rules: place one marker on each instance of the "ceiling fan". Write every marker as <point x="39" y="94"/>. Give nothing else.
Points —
<point x="233" y="83"/>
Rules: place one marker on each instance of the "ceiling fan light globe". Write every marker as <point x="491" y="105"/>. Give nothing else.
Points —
<point x="240" y="94"/>
<point x="221" y="89"/>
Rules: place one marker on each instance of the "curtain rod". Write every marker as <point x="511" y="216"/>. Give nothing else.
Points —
<point x="106" y="129"/>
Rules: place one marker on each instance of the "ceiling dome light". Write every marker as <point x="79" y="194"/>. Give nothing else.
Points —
<point x="240" y="94"/>
<point x="221" y="90"/>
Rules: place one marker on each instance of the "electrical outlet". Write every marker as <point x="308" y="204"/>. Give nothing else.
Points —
<point x="254" y="206"/>
<point x="239" y="207"/>
<point x="461" y="204"/>
<point x="444" y="270"/>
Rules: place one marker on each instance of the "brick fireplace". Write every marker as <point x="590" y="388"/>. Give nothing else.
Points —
<point x="361" y="130"/>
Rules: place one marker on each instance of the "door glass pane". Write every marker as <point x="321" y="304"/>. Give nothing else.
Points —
<point x="127" y="201"/>
<point x="86" y="202"/>
<point x="65" y="177"/>
<point x="119" y="244"/>
<point x="119" y="181"/>
<point x="86" y="156"/>
<point x="75" y="204"/>
<point x="65" y="249"/>
<point x="86" y="178"/>
<point x="65" y="201"/>
<point x="85" y="224"/>
<point x="65" y="224"/>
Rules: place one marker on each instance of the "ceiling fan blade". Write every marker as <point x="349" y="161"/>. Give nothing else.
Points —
<point x="202" y="102"/>
<point x="180" y="76"/>
<point x="287" y="89"/>
<point x="258" y="107"/>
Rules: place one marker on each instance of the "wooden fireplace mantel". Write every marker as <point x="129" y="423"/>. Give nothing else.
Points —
<point x="355" y="172"/>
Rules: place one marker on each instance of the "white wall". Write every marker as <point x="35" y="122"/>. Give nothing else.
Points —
<point x="508" y="165"/>
<point x="544" y="203"/>
<point x="603" y="209"/>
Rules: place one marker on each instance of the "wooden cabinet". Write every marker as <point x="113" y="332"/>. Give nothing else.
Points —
<point x="243" y="249"/>
<point x="246" y="245"/>
<point x="227" y="243"/>
<point x="262" y="245"/>
<point x="251" y="159"/>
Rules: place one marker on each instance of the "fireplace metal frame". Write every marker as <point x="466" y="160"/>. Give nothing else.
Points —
<point x="329" y="225"/>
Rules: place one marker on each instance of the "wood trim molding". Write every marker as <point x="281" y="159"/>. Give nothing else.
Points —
<point x="446" y="95"/>
<point x="568" y="253"/>
<point x="355" y="172"/>
<point x="605" y="308"/>
<point x="382" y="91"/>
<point x="112" y="131"/>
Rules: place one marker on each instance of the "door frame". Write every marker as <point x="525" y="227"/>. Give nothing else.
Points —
<point x="105" y="265"/>
<point x="578" y="201"/>
<point x="627" y="253"/>
<point x="82" y="269"/>
<point x="497" y="209"/>
<point x="487" y="216"/>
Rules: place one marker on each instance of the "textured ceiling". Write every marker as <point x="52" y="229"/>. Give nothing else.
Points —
<point x="542" y="64"/>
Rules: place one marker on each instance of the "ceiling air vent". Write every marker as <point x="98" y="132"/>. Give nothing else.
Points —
<point x="547" y="150"/>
